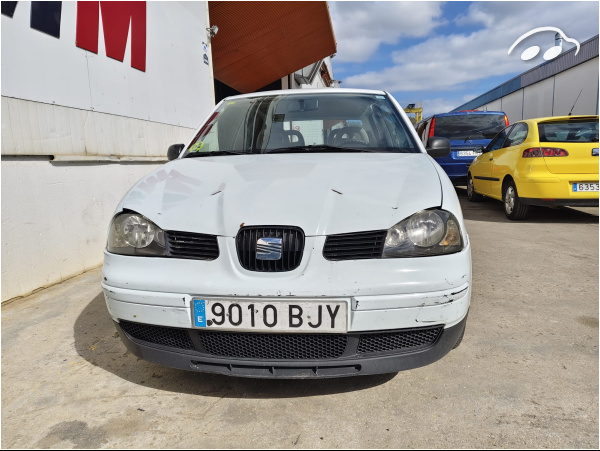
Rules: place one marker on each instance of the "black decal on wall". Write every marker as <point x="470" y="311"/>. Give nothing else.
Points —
<point x="45" y="17"/>
<point x="8" y="8"/>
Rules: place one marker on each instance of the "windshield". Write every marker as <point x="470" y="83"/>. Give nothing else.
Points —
<point x="303" y="123"/>
<point x="469" y="126"/>
<point x="569" y="132"/>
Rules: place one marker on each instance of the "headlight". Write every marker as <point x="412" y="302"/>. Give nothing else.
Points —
<point x="429" y="232"/>
<point x="133" y="234"/>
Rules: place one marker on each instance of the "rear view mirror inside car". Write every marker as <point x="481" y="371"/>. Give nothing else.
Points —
<point x="302" y="105"/>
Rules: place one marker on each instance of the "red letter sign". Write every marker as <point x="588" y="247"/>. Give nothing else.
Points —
<point x="116" y="17"/>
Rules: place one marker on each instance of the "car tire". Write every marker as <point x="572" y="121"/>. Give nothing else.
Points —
<point x="514" y="209"/>
<point x="472" y="195"/>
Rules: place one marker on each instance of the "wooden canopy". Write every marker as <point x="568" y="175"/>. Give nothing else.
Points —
<point x="260" y="42"/>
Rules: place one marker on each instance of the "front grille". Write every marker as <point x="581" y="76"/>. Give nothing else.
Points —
<point x="284" y="346"/>
<point x="274" y="346"/>
<point x="291" y="252"/>
<point x="397" y="341"/>
<point x="195" y="246"/>
<point x="354" y="246"/>
<point x="166" y="336"/>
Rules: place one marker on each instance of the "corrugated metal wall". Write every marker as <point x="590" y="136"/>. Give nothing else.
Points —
<point x="568" y="86"/>
<point x="537" y="102"/>
<point x="554" y="96"/>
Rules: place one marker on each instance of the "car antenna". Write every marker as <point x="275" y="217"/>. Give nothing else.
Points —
<point x="575" y="102"/>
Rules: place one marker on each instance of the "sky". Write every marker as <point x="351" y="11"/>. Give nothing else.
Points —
<point x="446" y="53"/>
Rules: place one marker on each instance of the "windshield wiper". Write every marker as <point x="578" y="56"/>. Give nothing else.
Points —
<point x="215" y="153"/>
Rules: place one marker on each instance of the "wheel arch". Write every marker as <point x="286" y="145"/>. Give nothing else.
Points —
<point x="507" y="178"/>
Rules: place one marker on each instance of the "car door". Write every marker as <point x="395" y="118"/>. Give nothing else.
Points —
<point x="481" y="172"/>
<point x="505" y="158"/>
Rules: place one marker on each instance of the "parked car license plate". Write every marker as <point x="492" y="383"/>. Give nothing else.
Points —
<point x="585" y="187"/>
<point x="279" y="316"/>
<point x="467" y="153"/>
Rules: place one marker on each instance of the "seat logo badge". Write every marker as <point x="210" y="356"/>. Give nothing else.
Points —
<point x="268" y="248"/>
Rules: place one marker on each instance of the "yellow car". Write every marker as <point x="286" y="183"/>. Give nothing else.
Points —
<point x="550" y="161"/>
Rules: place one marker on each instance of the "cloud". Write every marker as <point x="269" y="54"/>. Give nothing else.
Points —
<point x="454" y="61"/>
<point x="361" y="27"/>
<point x="438" y="105"/>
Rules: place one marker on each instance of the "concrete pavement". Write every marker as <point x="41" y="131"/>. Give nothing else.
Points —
<point x="526" y="374"/>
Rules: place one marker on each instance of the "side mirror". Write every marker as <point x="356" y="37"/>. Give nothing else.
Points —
<point x="438" y="147"/>
<point x="479" y="150"/>
<point x="174" y="151"/>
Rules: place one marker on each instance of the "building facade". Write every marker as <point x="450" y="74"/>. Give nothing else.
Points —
<point x="93" y="94"/>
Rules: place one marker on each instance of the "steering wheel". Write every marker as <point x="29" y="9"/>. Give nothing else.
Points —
<point x="344" y="134"/>
<point x="353" y="142"/>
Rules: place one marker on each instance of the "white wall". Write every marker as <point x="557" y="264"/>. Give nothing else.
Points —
<point x="496" y="105"/>
<point x="175" y="89"/>
<point x="63" y="101"/>
<point x="55" y="218"/>
<point x="34" y="128"/>
<point x="538" y="99"/>
<point x="512" y="105"/>
<point x="570" y="83"/>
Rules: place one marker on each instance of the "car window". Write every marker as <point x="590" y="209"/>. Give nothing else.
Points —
<point x="498" y="140"/>
<point x="469" y="126"/>
<point x="517" y="135"/>
<point x="388" y="125"/>
<point x="569" y="131"/>
<point x="276" y="122"/>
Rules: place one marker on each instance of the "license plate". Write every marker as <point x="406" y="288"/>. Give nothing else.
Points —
<point x="280" y="316"/>
<point x="467" y="153"/>
<point x="577" y="187"/>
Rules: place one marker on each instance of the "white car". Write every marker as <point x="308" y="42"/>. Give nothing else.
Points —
<point x="299" y="234"/>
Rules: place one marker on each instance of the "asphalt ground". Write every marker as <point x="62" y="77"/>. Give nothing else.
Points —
<point x="525" y="375"/>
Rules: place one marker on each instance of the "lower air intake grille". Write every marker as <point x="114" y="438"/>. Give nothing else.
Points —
<point x="287" y="255"/>
<point x="274" y="346"/>
<point x="354" y="246"/>
<point x="283" y="346"/>
<point x="166" y="336"/>
<point x="195" y="246"/>
<point x="397" y="341"/>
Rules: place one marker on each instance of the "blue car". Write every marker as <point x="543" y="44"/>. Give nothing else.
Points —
<point x="467" y="131"/>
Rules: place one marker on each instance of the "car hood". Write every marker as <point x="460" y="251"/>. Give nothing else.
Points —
<point x="322" y="193"/>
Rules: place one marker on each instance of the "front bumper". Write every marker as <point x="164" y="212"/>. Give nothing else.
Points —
<point x="365" y="313"/>
<point x="351" y="364"/>
<point x="381" y="295"/>
<point x="374" y="316"/>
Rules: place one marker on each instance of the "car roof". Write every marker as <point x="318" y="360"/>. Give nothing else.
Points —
<point x="578" y="117"/>
<point x="320" y="91"/>
<point x="462" y="113"/>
